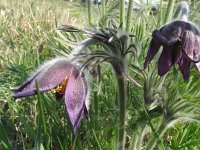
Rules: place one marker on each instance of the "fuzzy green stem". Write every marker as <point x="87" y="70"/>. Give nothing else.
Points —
<point x="129" y="16"/>
<point x="89" y="12"/>
<point x="122" y="13"/>
<point x="122" y="113"/>
<point x="169" y="11"/>
<point x="182" y="11"/>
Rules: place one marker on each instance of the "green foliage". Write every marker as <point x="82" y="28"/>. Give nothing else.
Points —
<point x="163" y="113"/>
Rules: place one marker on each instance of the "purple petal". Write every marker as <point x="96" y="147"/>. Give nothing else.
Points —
<point x="197" y="66"/>
<point x="177" y="54"/>
<point x="184" y="65"/>
<point x="27" y="93"/>
<point x="165" y="61"/>
<point x="191" y="45"/>
<point x="157" y="35"/>
<point x="173" y="30"/>
<point x="28" y="81"/>
<point x="75" y="97"/>
<point x="50" y="75"/>
<point x="154" y="47"/>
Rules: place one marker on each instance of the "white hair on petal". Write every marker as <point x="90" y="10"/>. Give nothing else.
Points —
<point x="197" y="66"/>
<point x="196" y="27"/>
<point x="87" y="101"/>
<point x="45" y="66"/>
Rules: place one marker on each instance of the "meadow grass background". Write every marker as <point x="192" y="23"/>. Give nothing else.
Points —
<point x="28" y="38"/>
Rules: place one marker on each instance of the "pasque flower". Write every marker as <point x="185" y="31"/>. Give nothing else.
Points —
<point x="61" y="77"/>
<point x="112" y="47"/>
<point x="180" y="40"/>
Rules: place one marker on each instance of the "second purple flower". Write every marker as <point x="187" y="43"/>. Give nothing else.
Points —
<point x="180" y="40"/>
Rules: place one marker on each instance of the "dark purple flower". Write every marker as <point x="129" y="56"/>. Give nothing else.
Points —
<point x="62" y="78"/>
<point x="181" y="45"/>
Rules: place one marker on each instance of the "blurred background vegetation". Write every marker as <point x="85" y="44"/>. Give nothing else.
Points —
<point x="28" y="37"/>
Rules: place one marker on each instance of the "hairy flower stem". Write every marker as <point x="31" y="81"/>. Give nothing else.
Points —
<point x="182" y="11"/>
<point x="122" y="113"/>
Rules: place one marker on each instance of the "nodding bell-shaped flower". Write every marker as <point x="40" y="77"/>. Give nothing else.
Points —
<point x="180" y="40"/>
<point x="61" y="77"/>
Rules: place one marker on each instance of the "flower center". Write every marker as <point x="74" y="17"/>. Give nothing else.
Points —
<point x="61" y="87"/>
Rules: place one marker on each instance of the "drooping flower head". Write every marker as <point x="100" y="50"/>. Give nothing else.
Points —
<point x="180" y="40"/>
<point x="62" y="78"/>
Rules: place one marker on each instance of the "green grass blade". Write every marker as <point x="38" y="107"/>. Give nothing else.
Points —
<point x="95" y="136"/>
<point x="169" y="11"/>
<point x="129" y="16"/>
<point x="42" y="115"/>
<point x="28" y="128"/>
<point x="4" y="142"/>
<point x="122" y="13"/>
<point x="89" y="12"/>
<point x="155" y="133"/>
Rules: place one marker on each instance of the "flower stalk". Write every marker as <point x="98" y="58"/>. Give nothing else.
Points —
<point x="122" y="113"/>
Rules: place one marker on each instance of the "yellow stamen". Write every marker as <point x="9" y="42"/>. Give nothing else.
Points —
<point x="180" y="39"/>
<point x="61" y="87"/>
